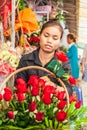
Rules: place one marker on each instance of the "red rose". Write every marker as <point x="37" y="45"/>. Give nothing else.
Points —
<point x="8" y="90"/>
<point x="72" y="98"/>
<point x="61" y="116"/>
<point x="41" y="83"/>
<point x="20" y="81"/>
<point x="46" y="99"/>
<point x="61" y="56"/>
<point x="0" y="97"/>
<point x="21" y="88"/>
<point x="34" y="39"/>
<point x="78" y="104"/>
<point x="7" y="96"/>
<point x="60" y="95"/>
<point x="33" y="80"/>
<point x="72" y="80"/>
<point x="21" y="97"/>
<point x="61" y="104"/>
<point x="49" y="89"/>
<point x="32" y="106"/>
<point x="35" y="91"/>
<point x="11" y="115"/>
<point x="39" y="116"/>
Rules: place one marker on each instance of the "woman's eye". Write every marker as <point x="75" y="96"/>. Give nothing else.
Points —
<point x="55" y="38"/>
<point x="46" y="35"/>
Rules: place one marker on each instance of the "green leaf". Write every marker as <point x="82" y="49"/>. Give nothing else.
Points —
<point x="51" y="123"/>
<point x="55" y="124"/>
<point x="71" y="108"/>
<point x="46" y="122"/>
<point x="0" y="122"/>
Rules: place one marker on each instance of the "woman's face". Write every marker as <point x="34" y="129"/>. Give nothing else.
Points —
<point x="50" y="39"/>
<point x="69" y="41"/>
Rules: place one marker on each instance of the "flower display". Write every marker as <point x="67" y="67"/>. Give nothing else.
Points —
<point x="38" y="106"/>
<point x="9" y="60"/>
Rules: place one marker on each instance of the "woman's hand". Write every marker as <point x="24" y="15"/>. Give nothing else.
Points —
<point x="49" y="82"/>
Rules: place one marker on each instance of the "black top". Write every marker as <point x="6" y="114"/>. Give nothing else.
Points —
<point x="32" y="59"/>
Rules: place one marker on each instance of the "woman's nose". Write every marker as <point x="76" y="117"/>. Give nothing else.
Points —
<point x="49" y="39"/>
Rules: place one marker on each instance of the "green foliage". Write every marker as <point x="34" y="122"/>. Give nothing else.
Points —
<point x="22" y="5"/>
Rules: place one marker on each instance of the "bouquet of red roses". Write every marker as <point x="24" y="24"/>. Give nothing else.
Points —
<point x="34" y="105"/>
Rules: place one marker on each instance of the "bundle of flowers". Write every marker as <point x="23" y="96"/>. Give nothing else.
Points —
<point x="34" y="39"/>
<point x="35" y="105"/>
<point x="38" y="106"/>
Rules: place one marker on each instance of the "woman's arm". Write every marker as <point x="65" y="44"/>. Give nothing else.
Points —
<point x="83" y="65"/>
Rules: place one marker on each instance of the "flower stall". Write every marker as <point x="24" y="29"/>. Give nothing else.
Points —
<point x="35" y="105"/>
<point x="9" y="59"/>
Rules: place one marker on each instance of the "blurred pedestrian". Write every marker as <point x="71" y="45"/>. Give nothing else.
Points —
<point x="72" y="54"/>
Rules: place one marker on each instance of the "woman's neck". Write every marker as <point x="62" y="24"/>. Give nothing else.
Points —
<point x="45" y="57"/>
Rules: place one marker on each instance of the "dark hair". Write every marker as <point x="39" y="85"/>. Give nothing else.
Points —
<point x="72" y="36"/>
<point x="52" y="23"/>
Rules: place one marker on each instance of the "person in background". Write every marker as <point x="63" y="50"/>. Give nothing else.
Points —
<point x="72" y="54"/>
<point x="50" y="36"/>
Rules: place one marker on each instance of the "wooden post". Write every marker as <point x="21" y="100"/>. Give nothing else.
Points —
<point x="13" y="24"/>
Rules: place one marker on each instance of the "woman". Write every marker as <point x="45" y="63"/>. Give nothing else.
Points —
<point x="50" y="36"/>
<point x="72" y="54"/>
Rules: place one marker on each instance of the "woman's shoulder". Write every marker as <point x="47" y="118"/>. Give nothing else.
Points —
<point x="30" y="55"/>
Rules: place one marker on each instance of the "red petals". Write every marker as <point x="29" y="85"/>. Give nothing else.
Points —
<point x="61" y="56"/>
<point x="46" y="99"/>
<point x="61" y="116"/>
<point x="0" y="97"/>
<point x="60" y="95"/>
<point x="32" y="106"/>
<point x="72" y="98"/>
<point x="72" y="80"/>
<point x="10" y="115"/>
<point x="39" y="116"/>
<point x="21" y="97"/>
<point x="78" y="104"/>
<point x="61" y="104"/>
